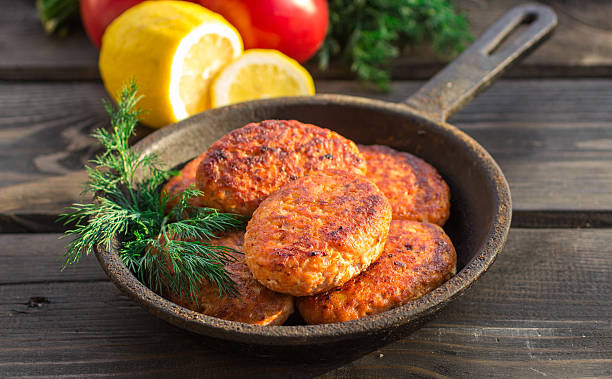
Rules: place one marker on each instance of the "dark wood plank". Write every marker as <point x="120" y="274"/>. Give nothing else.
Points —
<point x="44" y="129"/>
<point x="552" y="138"/>
<point x="542" y="310"/>
<point x="37" y="258"/>
<point x="45" y="142"/>
<point x="566" y="53"/>
<point x="27" y="53"/>
<point x="562" y="219"/>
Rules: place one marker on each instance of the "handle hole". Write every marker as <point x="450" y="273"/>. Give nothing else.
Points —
<point x="527" y="20"/>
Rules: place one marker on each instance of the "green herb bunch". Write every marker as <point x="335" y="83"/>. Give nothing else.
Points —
<point x="56" y="16"/>
<point x="367" y="34"/>
<point x="164" y="250"/>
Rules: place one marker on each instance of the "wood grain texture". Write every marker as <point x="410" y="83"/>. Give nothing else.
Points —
<point x="566" y="53"/>
<point x="552" y="138"/>
<point x="44" y="140"/>
<point x="27" y="53"/>
<point x="542" y="310"/>
<point x="45" y="128"/>
<point x="37" y="258"/>
<point x="44" y="144"/>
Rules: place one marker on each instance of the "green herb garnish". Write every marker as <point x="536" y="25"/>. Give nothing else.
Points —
<point x="162" y="249"/>
<point x="367" y="34"/>
<point x="56" y="16"/>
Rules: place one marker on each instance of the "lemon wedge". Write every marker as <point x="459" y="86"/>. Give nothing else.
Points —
<point x="173" y="50"/>
<point x="260" y="74"/>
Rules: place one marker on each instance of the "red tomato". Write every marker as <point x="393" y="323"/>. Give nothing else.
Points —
<point x="98" y="14"/>
<point x="295" y="27"/>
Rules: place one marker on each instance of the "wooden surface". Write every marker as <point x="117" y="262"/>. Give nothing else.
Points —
<point x="580" y="47"/>
<point x="543" y="310"/>
<point x="548" y="316"/>
<point x="552" y="138"/>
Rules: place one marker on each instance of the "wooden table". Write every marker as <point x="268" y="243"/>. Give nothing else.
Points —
<point x="544" y="308"/>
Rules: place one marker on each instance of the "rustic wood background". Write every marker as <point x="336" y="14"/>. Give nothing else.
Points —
<point x="544" y="309"/>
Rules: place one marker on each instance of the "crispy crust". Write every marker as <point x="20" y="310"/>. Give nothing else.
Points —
<point x="179" y="183"/>
<point x="418" y="257"/>
<point x="414" y="188"/>
<point x="248" y="164"/>
<point x="317" y="232"/>
<point x="255" y="305"/>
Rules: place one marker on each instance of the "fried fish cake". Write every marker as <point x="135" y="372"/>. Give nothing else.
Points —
<point x="317" y="232"/>
<point x="414" y="188"/>
<point x="179" y="183"/>
<point x="248" y="164"/>
<point x="255" y="305"/>
<point x="418" y="257"/>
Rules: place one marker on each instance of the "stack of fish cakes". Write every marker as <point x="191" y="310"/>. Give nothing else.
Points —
<point x="348" y="231"/>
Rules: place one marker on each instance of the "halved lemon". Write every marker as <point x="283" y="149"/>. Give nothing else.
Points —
<point x="260" y="74"/>
<point x="173" y="50"/>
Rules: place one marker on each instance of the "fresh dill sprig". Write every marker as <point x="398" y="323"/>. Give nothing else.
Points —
<point x="367" y="34"/>
<point x="164" y="250"/>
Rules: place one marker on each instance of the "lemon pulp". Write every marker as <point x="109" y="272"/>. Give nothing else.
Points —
<point x="254" y="82"/>
<point x="199" y="68"/>
<point x="260" y="74"/>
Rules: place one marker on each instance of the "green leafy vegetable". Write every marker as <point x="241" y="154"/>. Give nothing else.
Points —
<point x="367" y="34"/>
<point x="164" y="250"/>
<point x="57" y="15"/>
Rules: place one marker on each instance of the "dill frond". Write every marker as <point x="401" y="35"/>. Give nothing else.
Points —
<point x="164" y="251"/>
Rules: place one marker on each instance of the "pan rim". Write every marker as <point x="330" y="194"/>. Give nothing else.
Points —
<point x="311" y="334"/>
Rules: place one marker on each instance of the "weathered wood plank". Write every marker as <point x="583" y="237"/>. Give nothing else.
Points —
<point x="561" y="219"/>
<point x="37" y="258"/>
<point x="566" y="53"/>
<point x="44" y="140"/>
<point x="552" y="138"/>
<point x="44" y="144"/>
<point x="27" y="53"/>
<point x="542" y="310"/>
<point x="44" y="129"/>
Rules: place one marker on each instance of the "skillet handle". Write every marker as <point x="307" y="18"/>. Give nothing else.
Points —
<point x="476" y="68"/>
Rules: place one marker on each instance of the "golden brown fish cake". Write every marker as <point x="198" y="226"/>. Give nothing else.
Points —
<point x="255" y="305"/>
<point x="418" y="257"/>
<point x="414" y="188"/>
<point x="317" y="232"/>
<point x="179" y="183"/>
<point x="248" y="164"/>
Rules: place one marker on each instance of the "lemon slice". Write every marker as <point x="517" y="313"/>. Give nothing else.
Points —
<point x="173" y="49"/>
<point x="260" y="74"/>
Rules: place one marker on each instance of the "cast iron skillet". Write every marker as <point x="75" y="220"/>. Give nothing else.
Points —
<point x="480" y="210"/>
